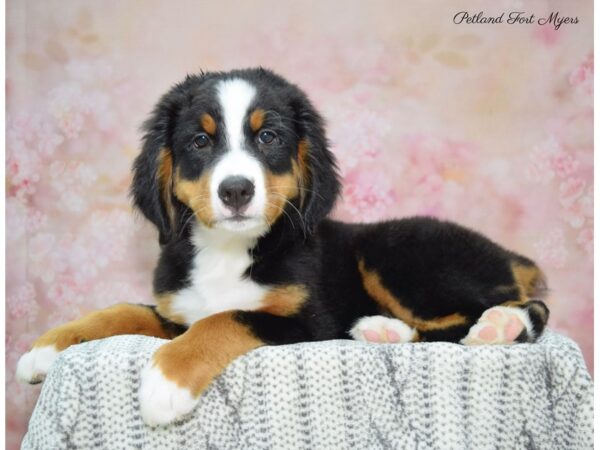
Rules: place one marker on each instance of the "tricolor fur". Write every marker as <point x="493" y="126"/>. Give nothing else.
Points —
<point x="236" y="175"/>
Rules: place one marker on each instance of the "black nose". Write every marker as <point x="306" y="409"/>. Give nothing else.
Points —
<point x="236" y="192"/>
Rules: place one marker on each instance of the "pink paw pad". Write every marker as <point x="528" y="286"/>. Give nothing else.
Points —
<point x="392" y="336"/>
<point x="513" y="328"/>
<point x="382" y="337"/>
<point x="382" y="330"/>
<point x="371" y="336"/>
<point x="488" y="333"/>
<point x="497" y="325"/>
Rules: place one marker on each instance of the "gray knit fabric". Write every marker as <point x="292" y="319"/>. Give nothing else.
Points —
<point x="330" y="395"/>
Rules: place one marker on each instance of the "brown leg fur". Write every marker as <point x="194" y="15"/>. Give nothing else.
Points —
<point x="193" y="359"/>
<point x="116" y="320"/>
<point x="383" y="297"/>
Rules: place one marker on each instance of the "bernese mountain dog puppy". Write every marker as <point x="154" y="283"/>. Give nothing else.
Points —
<point x="236" y="175"/>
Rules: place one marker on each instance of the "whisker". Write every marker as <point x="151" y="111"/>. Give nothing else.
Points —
<point x="283" y="211"/>
<point x="296" y="209"/>
<point x="200" y="197"/>
<point x="195" y="212"/>
<point x="192" y="215"/>
<point x="302" y="189"/>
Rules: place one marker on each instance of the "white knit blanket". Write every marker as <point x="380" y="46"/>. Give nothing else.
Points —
<point x="330" y="395"/>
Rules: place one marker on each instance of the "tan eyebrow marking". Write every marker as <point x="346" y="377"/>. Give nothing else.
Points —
<point x="257" y="119"/>
<point x="208" y="123"/>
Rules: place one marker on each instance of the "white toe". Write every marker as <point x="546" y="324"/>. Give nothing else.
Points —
<point x="381" y="325"/>
<point x="161" y="400"/>
<point x="34" y="365"/>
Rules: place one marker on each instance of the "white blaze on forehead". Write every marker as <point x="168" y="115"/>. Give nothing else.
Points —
<point x="235" y="97"/>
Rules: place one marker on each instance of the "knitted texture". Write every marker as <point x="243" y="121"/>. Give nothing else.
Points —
<point x="329" y="395"/>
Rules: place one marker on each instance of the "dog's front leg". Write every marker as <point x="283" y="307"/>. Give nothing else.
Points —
<point x="182" y="369"/>
<point x="117" y="320"/>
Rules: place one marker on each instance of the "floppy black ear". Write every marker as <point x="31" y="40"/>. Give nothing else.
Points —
<point x="152" y="184"/>
<point x="322" y="178"/>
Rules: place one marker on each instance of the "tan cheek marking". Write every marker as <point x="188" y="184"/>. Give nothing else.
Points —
<point x="164" y="308"/>
<point x="378" y="292"/>
<point x="303" y="147"/>
<point x="208" y="123"/>
<point x="257" y="118"/>
<point x="284" y="300"/>
<point x="280" y="189"/>
<point x="303" y="174"/>
<point x="116" y="320"/>
<point x="193" y="359"/>
<point x="164" y="175"/>
<point x="196" y="195"/>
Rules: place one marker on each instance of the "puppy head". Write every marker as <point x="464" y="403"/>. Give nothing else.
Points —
<point x="237" y="152"/>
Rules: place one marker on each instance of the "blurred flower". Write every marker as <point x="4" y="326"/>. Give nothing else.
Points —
<point x="570" y="190"/>
<point x="563" y="164"/>
<point x="66" y="292"/>
<point x="48" y="139"/>
<point x="582" y="78"/>
<point x="70" y="181"/>
<point x="547" y="160"/>
<point x="426" y="155"/>
<point x="16" y="218"/>
<point x="576" y="212"/>
<point x="585" y="238"/>
<point x="29" y="132"/>
<point x="551" y="249"/>
<point x="22" y="302"/>
<point x="108" y="293"/>
<point x="67" y="106"/>
<point x="367" y="196"/>
<point x="357" y="136"/>
<point x="40" y="246"/>
<point x="22" y="173"/>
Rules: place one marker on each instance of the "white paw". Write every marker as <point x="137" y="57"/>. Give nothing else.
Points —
<point x="35" y="364"/>
<point x="382" y="329"/>
<point x="499" y="325"/>
<point x="161" y="400"/>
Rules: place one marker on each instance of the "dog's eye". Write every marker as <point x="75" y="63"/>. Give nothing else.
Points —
<point x="201" y="140"/>
<point x="266" y="137"/>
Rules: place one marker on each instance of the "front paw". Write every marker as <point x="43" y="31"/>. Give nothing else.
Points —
<point x="161" y="400"/>
<point x="34" y="365"/>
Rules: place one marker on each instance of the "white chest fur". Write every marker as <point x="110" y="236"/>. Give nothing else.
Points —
<point x="217" y="278"/>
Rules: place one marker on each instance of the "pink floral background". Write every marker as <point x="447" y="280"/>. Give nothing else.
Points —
<point x="488" y="125"/>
